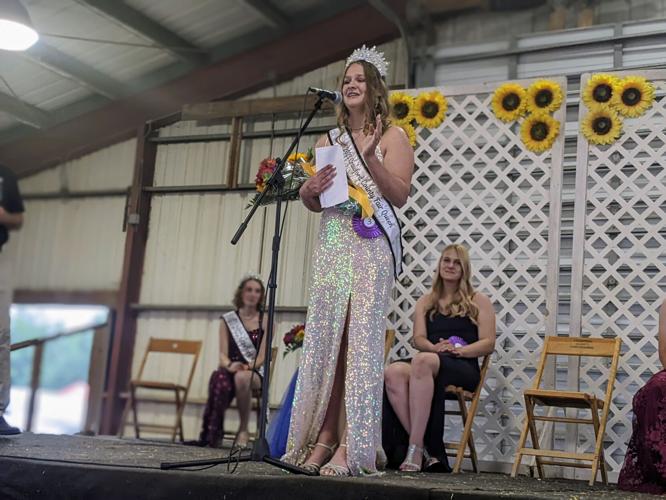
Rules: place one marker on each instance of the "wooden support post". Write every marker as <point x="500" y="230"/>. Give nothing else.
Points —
<point x="235" y="146"/>
<point x="135" y="248"/>
<point x="99" y="354"/>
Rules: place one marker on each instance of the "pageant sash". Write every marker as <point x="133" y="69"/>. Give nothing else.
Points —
<point x="242" y="339"/>
<point x="384" y="214"/>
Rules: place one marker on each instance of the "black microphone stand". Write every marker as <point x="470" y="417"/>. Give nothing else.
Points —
<point x="260" y="450"/>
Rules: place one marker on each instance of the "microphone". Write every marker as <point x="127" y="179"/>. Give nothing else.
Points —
<point x="332" y="95"/>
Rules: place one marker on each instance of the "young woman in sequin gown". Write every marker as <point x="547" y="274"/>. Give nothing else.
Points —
<point x="644" y="468"/>
<point x="340" y="380"/>
<point x="415" y="389"/>
<point x="235" y="377"/>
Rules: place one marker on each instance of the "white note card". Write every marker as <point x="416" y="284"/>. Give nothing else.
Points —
<point x="338" y="192"/>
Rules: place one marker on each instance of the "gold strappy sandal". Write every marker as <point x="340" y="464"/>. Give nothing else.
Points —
<point x="408" y="464"/>
<point x="314" y="468"/>
<point x="334" y="470"/>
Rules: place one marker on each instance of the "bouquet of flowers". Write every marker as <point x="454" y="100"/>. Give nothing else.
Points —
<point x="296" y="171"/>
<point x="293" y="339"/>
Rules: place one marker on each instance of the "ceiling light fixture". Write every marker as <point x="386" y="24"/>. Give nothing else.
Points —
<point x="16" y="29"/>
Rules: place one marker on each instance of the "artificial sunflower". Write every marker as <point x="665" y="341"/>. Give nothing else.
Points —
<point x="602" y="125"/>
<point x="402" y="108"/>
<point x="539" y="131"/>
<point x="632" y="96"/>
<point x="411" y="133"/>
<point x="430" y="109"/>
<point x="509" y="101"/>
<point x="599" y="89"/>
<point x="544" y="95"/>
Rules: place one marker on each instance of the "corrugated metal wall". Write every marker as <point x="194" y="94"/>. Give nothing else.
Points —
<point x="74" y="243"/>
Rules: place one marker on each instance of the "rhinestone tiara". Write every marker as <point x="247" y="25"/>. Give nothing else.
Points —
<point x="371" y="55"/>
<point x="252" y="276"/>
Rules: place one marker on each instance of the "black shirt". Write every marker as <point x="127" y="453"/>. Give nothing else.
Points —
<point x="10" y="199"/>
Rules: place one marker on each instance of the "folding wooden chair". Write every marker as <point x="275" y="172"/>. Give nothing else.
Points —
<point x="462" y="397"/>
<point x="569" y="346"/>
<point x="163" y="346"/>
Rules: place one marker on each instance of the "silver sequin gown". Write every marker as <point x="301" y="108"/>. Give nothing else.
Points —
<point x="354" y="271"/>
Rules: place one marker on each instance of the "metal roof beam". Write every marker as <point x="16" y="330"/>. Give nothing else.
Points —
<point x="70" y="67"/>
<point x="24" y="112"/>
<point x="269" y="13"/>
<point x="145" y="26"/>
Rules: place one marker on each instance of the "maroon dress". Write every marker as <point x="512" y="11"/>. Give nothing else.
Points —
<point x="221" y="391"/>
<point x="644" y="468"/>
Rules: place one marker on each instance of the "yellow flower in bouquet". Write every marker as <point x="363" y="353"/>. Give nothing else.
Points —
<point x="297" y="157"/>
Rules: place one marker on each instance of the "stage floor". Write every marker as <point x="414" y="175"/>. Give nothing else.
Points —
<point x="71" y="467"/>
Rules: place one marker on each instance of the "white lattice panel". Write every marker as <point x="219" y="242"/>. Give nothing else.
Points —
<point x="619" y="258"/>
<point x="475" y="183"/>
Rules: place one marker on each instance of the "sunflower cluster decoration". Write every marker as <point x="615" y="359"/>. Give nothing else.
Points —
<point x="539" y="129"/>
<point x="609" y="99"/>
<point x="427" y="110"/>
<point x="544" y="96"/>
<point x="509" y="102"/>
<point x="602" y="125"/>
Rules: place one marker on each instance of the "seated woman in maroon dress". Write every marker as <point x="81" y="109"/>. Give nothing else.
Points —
<point x="453" y="326"/>
<point x="241" y="343"/>
<point x="644" y="468"/>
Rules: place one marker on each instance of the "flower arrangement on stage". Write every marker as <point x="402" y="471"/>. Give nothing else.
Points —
<point x="539" y="131"/>
<point x="602" y="125"/>
<point x="599" y="89"/>
<point x="296" y="171"/>
<point x="609" y="99"/>
<point x="430" y="109"/>
<point x="427" y="110"/>
<point x="293" y="339"/>
<point x="632" y="96"/>
<point x="544" y="95"/>
<point x="509" y="102"/>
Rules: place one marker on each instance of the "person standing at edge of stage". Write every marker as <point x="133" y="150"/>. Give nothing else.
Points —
<point x="354" y="267"/>
<point x="11" y="219"/>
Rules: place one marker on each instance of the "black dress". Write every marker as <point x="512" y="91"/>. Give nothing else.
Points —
<point x="461" y="372"/>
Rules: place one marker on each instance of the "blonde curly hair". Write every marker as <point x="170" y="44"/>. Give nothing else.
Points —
<point x="462" y="303"/>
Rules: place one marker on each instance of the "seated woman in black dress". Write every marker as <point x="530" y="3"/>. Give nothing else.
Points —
<point x="241" y="343"/>
<point x="453" y="327"/>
